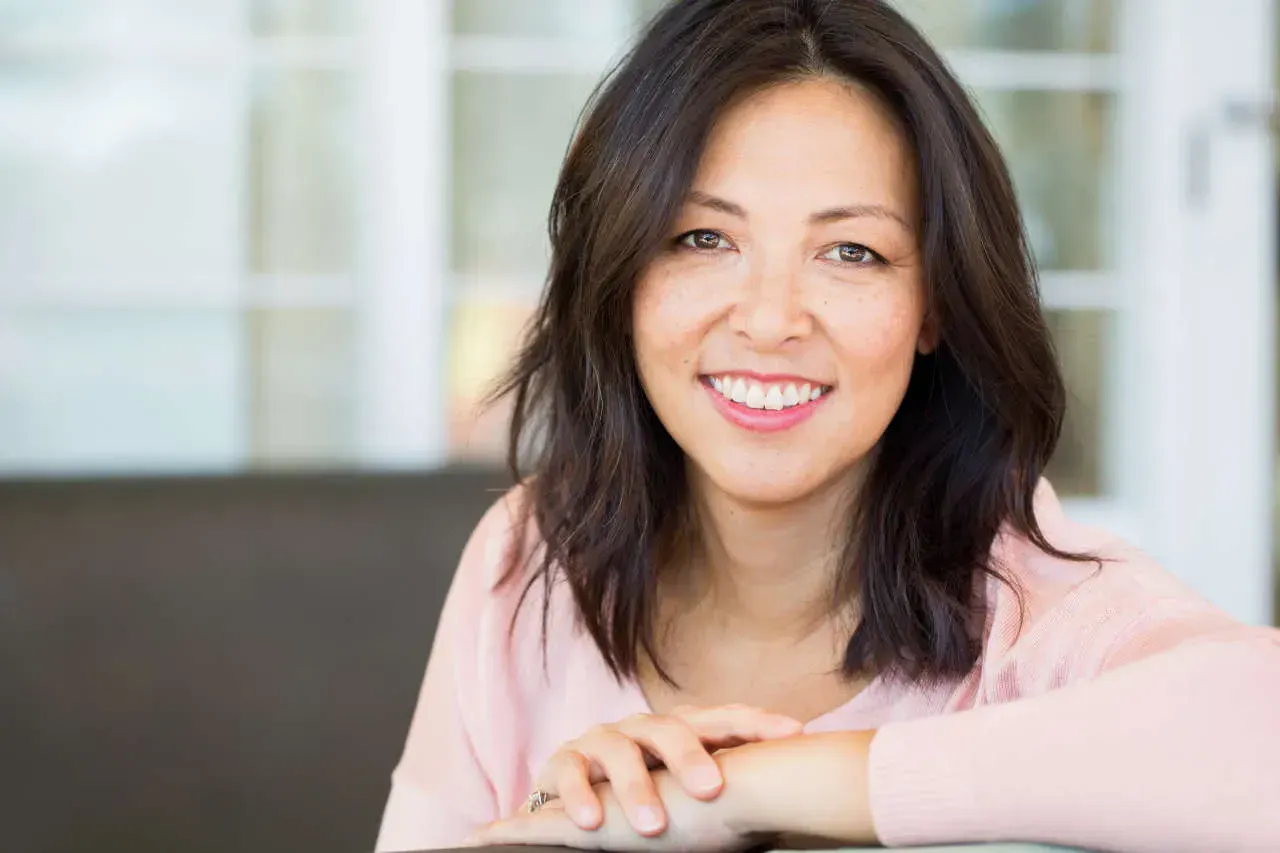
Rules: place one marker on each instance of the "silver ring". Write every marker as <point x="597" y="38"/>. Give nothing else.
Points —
<point x="537" y="800"/>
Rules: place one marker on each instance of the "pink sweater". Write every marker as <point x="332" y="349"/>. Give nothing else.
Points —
<point x="1124" y="713"/>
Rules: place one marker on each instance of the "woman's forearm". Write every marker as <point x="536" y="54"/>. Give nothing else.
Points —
<point x="813" y="786"/>
<point x="1180" y="751"/>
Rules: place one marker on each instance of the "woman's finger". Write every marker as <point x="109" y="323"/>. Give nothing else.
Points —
<point x="621" y="760"/>
<point x="676" y="744"/>
<point x="731" y="725"/>
<point x="624" y="753"/>
<point x="568" y="776"/>
<point x="683" y="742"/>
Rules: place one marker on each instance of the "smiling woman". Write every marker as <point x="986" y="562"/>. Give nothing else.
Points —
<point x="783" y="562"/>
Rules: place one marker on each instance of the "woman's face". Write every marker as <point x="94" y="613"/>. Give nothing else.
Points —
<point x="776" y="330"/>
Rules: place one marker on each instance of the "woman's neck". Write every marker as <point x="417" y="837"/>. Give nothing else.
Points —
<point x="765" y="571"/>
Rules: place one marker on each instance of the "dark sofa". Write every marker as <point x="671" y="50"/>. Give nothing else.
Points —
<point x="216" y="664"/>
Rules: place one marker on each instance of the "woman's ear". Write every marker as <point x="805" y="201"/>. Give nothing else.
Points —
<point x="927" y="340"/>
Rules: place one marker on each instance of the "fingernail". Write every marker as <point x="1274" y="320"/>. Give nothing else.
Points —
<point x="584" y="816"/>
<point x="705" y="778"/>
<point x="648" y="819"/>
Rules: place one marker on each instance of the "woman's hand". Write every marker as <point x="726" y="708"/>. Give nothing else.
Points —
<point x="625" y="753"/>
<point x="691" y="824"/>
<point x="807" y="791"/>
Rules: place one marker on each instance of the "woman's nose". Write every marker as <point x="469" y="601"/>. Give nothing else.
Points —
<point x="770" y="310"/>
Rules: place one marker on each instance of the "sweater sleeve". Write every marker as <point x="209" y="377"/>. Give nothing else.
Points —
<point x="441" y="790"/>
<point x="1164" y="735"/>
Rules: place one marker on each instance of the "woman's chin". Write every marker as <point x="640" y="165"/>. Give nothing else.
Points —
<point x="765" y="484"/>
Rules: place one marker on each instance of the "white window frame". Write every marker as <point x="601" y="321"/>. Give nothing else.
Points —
<point x="403" y="416"/>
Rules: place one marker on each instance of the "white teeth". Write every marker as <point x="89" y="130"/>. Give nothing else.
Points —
<point x="771" y="397"/>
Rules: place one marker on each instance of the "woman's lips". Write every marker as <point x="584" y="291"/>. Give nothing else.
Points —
<point x="764" y="404"/>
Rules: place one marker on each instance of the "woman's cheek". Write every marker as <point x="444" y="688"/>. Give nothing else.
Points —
<point x="671" y="306"/>
<point x="877" y="331"/>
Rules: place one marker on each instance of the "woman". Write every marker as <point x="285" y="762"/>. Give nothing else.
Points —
<point x="782" y="565"/>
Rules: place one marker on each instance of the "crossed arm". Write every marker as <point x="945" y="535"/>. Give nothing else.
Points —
<point x="803" y="786"/>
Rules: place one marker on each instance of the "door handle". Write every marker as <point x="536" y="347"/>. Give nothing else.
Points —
<point x="1252" y="114"/>
<point x="1237" y="114"/>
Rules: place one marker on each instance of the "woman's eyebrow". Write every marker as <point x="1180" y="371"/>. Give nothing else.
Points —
<point x="830" y="214"/>
<point x="855" y="211"/>
<point x="707" y="200"/>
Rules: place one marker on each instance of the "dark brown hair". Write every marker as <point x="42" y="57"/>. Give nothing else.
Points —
<point x="981" y="415"/>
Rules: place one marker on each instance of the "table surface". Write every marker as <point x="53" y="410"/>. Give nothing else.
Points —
<point x="947" y="848"/>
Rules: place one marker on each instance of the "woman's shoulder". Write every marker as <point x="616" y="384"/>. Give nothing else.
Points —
<point x="502" y="549"/>
<point x="1098" y="562"/>
<point x="508" y="595"/>
<point x="1059" y="618"/>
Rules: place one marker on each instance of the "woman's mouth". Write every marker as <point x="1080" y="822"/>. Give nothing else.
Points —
<point x="764" y="403"/>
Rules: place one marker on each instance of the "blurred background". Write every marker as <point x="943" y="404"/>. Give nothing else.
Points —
<point x="260" y="259"/>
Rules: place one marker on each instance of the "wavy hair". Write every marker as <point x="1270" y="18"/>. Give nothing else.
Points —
<point x="605" y="482"/>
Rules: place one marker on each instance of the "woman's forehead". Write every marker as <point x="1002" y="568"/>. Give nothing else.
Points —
<point x="821" y="140"/>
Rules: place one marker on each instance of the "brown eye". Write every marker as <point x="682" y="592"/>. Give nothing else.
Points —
<point x="704" y="240"/>
<point x="852" y="253"/>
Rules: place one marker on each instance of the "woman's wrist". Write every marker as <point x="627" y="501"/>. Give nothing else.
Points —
<point x="810" y="785"/>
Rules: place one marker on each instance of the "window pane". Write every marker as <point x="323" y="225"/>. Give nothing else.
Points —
<point x="483" y="340"/>
<point x="611" y="20"/>
<point x="110" y="19"/>
<point x="118" y="177"/>
<point x="302" y="364"/>
<point x="1082" y="340"/>
<point x="119" y="391"/>
<point x="1066" y="25"/>
<point x="510" y="133"/>
<point x="302" y="180"/>
<point x="304" y="17"/>
<point x="1059" y="149"/>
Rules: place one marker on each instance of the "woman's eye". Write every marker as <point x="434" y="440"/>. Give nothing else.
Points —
<point x="703" y="240"/>
<point x="852" y="253"/>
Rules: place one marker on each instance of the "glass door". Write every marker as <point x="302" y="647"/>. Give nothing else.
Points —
<point x="1193" y="458"/>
